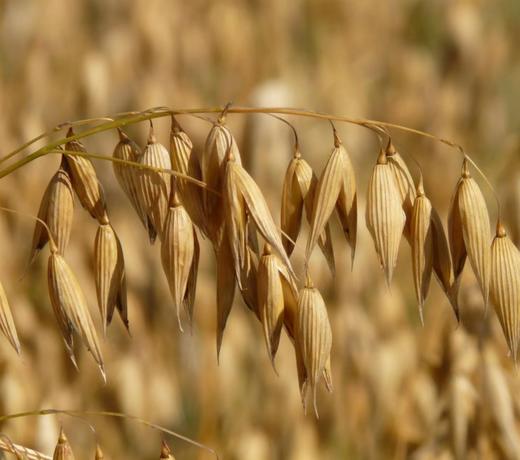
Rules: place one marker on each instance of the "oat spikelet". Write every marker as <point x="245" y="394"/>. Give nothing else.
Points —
<point x="505" y="286"/>
<point x="225" y="288"/>
<point x="244" y="193"/>
<point x="57" y="211"/>
<point x="109" y="268"/>
<point x="6" y="321"/>
<point x="177" y="252"/>
<point x="70" y="307"/>
<point x="127" y="176"/>
<point x="191" y="288"/>
<point x="85" y="181"/>
<point x="248" y="283"/>
<point x="220" y="143"/>
<point x="314" y="335"/>
<point x="166" y="453"/>
<point x="404" y="183"/>
<point x="384" y="215"/>
<point x="63" y="451"/>
<point x="422" y="246"/>
<point x="270" y="300"/>
<point x="154" y="187"/>
<point x="298" y="193"/>
<point x="185" y="161"/>
<point x="336" y="189"/>
<point x="474" y="219"/>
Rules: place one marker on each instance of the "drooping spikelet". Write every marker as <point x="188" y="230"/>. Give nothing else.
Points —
<point x="185" y="161"/>
<point x="384" y="215"/>
<point x="154" y="186"/>
<point x="505" y="286"/>
<point x="70" y="307"/>
<point x="314" y="336"/>
<point x="7" y="325"/>
<point x="470" y="230"/>
<point x="336" y="189"/>
<point x="178" y="251"/>
<point x="57" y="211"/>
<point x="243" y="196"/>
<point x="128" y="176"/>
<point x="63" y="451"/>
<point x="422" y="246"/>
<point x="225" y="288"/>
<point x="404" y="182"/>
<point x="220" y="144"/>
<point x="85" y="181"/>
<point x="271" y="298"/>
<point x="298" y="194"/>
<point x="109" y="268"/>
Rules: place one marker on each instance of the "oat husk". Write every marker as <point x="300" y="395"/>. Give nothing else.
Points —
<point x="109" y="270"/>
<point x="505" y="286"/>
<point x="154" y="186"/>
<point x="63" y="451"/>
<point x="85" y="181"/>
<point x="314" y="337"/>
<point x="271" y="301"/>
<point x="71" y="309"/>
<point x="404" y="183"/>
<point x="178" y="252"/>
<point x="185" y="161"/>
<point x="470" y="231"/>
<point x="127" y="176"/>
<point x="242" y="195"/>
<point x="298" y="194"/>
<point x="336" y="189"/>
<point x="421" y="239"/>
<point x="7" y="325"/>
<point x="384" y="215"/>
<point x="225" y="289"/>
<point x="57" y="211"/>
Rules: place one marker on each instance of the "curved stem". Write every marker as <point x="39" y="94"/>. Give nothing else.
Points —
<point x="76" y="413"/>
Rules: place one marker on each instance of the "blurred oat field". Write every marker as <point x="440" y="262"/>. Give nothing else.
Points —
<point x="449" y="67"/>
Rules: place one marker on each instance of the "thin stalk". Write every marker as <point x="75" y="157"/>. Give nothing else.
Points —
<point x="76" y="413"/>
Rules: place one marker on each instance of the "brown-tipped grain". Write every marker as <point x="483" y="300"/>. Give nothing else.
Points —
<point x="404" y="183"/>
<point x="154" y="186"/>
<point x="63" y="450"/>
<point x="85" y="181"/>
<point x="177" y="254"/>
<point x="248" y="283"/>
<point x="127" y="176"/>
<point x="241" y="188"/>
<point x="57" y="211"/>
<point x="422" y="247"/>
<point x="7" y="325"/>
<point x="270" y="300"/>
<point x="384" y="215"/>
<point x="109" y="270"/>
<point x="225" y="288"/>
<point x="475" y="229"/>
<point x="314" y="336"/>
<point x="505" y="287"/>
<point x="71" y="309"/>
